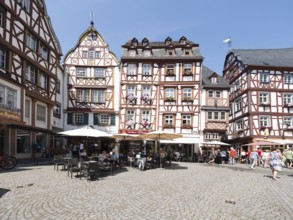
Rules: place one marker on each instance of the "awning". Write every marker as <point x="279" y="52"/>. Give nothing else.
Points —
<point x="183" y="140"/>
<point x="261" y="143"/>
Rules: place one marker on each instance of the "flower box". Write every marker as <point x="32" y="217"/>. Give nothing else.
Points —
<point x="186" y="99"/>
<point x="170" y="72"/>
<point x="169" y="99"/>
<point x="187" y="72"/>
<point x="265" y="103"/>
<point x="186" y="126"/>
<point x="169" y="126"/>
<point x="265" y="127"/>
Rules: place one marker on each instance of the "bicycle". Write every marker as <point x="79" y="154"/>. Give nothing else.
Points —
<point x="7" y="162"/>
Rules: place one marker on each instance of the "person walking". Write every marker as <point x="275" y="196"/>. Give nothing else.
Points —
<point x="253" y="158"/>
<point x="289" y="157"/>
<point x="265" y="158"/>
<point x="275" y="161"/>
<point x="232" y="154"/>
<point x="212" y="157"/>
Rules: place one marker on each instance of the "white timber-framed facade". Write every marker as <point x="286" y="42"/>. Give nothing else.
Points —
<point x="30" y="79"/>
<point x="92" y="72"/>
<point x="261" y="95"/>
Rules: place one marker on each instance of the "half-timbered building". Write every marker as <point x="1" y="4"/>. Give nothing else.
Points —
<point x="160" y="86"/>
<point x="214" y="106"/>
<point x="93" y="84"/>
<point x="261" y="95"/>
<point x="30" y="78"/>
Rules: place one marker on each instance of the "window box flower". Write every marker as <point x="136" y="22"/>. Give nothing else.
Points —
<point x="186" y="126"/>
<point x="265" y="127"/>
<point x="170" y="72"/>
<point x="265" y="103"/>
<point x="104" y="124"/>
<point x="186" y="99"/>
<point x="187" y="72"/>
<point x="169" y="125"/>
<point x="289" y="105"/>
<point x="145" y="97"/>
<point x="169" y="99"/>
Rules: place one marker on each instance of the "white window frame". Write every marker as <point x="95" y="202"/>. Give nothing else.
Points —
<point x="239" y="124"/>
<point x="43" y="80"/>
<point x="130" y="115"/>
<point x="264" y="78"/>
<point x="264" y="98"/>
<point x="210" y="93"/>
<point x="288" y="98"/>
<point x="104" y="119"/>
<point x="131" y="69"/>
<point x="288" y="79"/>
<point x="146" y="90"/>
<point x="100" y="72"/>
<point x="78" y="118"/>
<point x="84" y="54"/>
<point x="91" y="53"/>
<point x="187" y="92"/>
<point x="264" y="121"/>
<point x="8" y="97"/>
<point x="131" y="90"/>
<point x="44" y="52"/>
<point x="186" y="119"/>
<point x="80" y="72"/>
<point x="238" y="104"/>
<point x="146" y="69"/>
<point x="218" y="94"/>
<point x="31" y="72"/>
<point x="41" y="113"/>
<point x="170" y="93"/>
<point x="98" y="54"/>
<point x="31" y="41"/>
<point x="169" y="119"/>
<point x="98" y="96"/>
<point x="145" y="116"/>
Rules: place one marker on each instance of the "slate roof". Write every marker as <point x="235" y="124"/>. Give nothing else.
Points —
<point x="265" y="57"/>
<point x="206" y="83"/>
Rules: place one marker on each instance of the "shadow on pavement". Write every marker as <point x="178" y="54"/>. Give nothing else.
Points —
<point x="3" y="191"/>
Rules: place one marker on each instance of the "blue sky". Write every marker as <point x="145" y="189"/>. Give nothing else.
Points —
<point x="251" y="24"/>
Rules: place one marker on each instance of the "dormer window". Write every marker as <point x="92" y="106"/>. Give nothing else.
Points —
<point x="168" y="40"/>
<point x="134" y="42"/>
<point x="145" y="42"/>
<point x="214" y="80"/>
<point x="182" y="40"/>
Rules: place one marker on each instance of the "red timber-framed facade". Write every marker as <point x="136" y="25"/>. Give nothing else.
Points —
<point x="261" y="98"/>
<point x="214" y="106"/>
<point x="160" y="86"/>
<point x="93" y="84"/>
<point x="30" y="78"/>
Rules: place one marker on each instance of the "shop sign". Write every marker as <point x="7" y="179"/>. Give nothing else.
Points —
<point x="10" y="115"/>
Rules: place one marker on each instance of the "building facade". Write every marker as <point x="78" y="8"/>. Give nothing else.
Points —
<point x="92" y="72"/>
<point x="30" y="74"/>
<point x="261" y="95"/>
<point x="214" y="106"/>
<point x="160" y="87"/>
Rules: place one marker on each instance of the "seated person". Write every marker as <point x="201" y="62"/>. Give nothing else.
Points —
<point x="103" y="156"/>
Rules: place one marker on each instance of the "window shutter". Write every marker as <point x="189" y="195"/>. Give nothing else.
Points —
<point x="112" y="122"/>
<point x="96" y="119"/>
<point x="69" y="118"/>
<point x="85" y="118"/>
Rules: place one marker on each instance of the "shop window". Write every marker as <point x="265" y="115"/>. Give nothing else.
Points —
<point x="23" y="141"/>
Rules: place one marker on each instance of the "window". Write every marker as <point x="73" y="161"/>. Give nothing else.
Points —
<point x="132" y="53"/>
<point x="214" y="80"/>
<point x="238" y="104"/>
<point x="80" y="72"/>
<point x="187" y="68"/>
<point x="41" y="113"/>
<point x="264" y="121"/>
<point x="57" y="110"/>
<point x="170" y="52"/>
<point x="131" y="69"/>
<point x="83" y="95"/>
<point x="44" y="52"/>
<point x="146" y="90"/>
<point x="211" y="94"/>
<point x="1" y="17"/>
<point x="84" y="54"/>
<point x="218" y="94"/>
<point x="169" y="119"/>
<point x="100" y="72"/>
<point x="264" y="78"/>
<point x="43" y="80"/>
<point x="211" y="136"/>
<point x="170" y="93"/>
<point x="23" y="141"/>
<point x="78" y="118"/>
<point x="239" y="125"/>
<point x="91" y="54"/>
<point x="30" y="74"/>
<point x="58" y="84"/>
<point x="170" y="69"/>
<point x="146" y="69"/>
<point x="130" y="115"/>
<point x="3" y="58"/>
<point x="288" y="121"/>
<point x="264" y="98"/>
<point x="288" y="79"/>
<point x="131" y="90"/>
<point x="145" y="116"/>
<point x="98" y="54"/>
<point x="147" y="53"/>
<point x="223" y="115"/>
<point x="27" y="111"/>
<point x="104" y="119"/>
<point x="8" y="97"/>
<point x="31" y="41"/>
<point x="186" y="120"/>
<point x="187" y="92"/>
<point x="187" y="51"/>
<point x="25" y="4"/>
<point x="98" y="96"/>
<point x="288" y="99"/>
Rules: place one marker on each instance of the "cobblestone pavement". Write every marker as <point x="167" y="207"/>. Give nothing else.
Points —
<point x="182" y="191"/>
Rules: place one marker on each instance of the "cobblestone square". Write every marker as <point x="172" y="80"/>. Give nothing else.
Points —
<point x="182" y="191"/>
